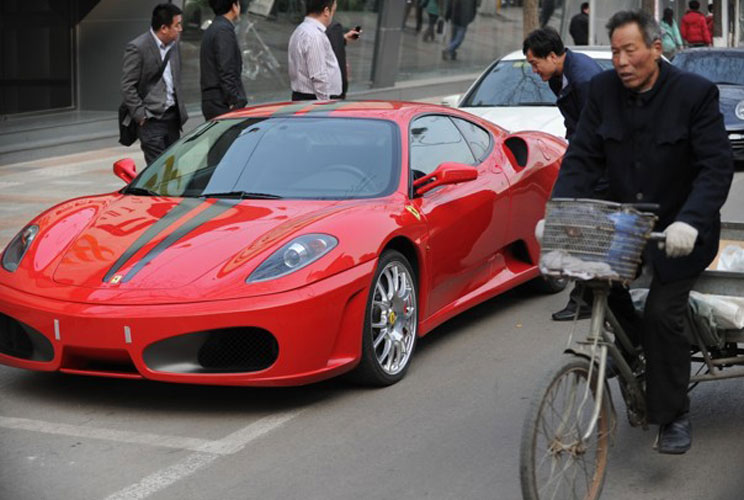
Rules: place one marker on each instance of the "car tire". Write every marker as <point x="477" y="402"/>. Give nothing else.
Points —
<point x="390" y="322"/>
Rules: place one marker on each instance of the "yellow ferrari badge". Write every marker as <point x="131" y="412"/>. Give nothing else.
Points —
<point x="414" y="212"/>
<point x="115" y="279"/>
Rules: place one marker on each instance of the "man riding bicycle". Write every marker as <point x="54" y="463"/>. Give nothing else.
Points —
<point x="658" y="136"/>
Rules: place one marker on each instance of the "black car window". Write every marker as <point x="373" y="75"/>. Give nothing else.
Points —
<point x="280" y="157"/>
<point x="512" y="83"/>
<point x="478" y="138"/>
<point x="434" y="139"/>
<point x="717" y="67"/>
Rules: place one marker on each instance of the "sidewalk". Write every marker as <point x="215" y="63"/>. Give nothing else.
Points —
<point x="422" y="73"/>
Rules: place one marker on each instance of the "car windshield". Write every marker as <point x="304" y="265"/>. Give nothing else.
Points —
<point x="279" y="157"/>
<point x="716" y="67"/>
<point x="513" y="83"/>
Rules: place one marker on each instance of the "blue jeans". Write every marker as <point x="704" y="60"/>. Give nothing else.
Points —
<point x="458" y="35"/>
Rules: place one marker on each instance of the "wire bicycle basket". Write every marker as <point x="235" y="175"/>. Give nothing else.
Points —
<point x="593" y="239"/>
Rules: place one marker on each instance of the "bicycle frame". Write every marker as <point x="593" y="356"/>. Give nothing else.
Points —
<point x="597" y="345"/>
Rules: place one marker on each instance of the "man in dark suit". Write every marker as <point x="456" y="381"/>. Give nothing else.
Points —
<point x="579" y="27"/>
<point x="657" y="133"/>
<point x="221" y="62"/>
<point x="568" y="74"/>
<point x="156" y="105"/>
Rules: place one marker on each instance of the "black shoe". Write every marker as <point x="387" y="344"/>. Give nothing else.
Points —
<point x="675" y="438"/>
<point x="568" y="313"/>
<point x="445" y="55"/>
<point x="454" y="55"/>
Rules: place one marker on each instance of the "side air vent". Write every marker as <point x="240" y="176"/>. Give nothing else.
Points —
<point x="516" y="150"/>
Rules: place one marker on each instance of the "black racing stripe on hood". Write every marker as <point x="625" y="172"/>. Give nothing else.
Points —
<point x="208" y="214"/>
<point x="175" y="213"/>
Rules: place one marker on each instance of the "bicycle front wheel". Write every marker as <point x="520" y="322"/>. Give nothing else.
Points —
<point x="555" y="461"/>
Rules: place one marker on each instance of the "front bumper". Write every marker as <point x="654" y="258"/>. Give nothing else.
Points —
<point x="317" y="329"/>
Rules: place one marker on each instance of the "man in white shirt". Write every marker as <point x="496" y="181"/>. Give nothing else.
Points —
<point x="313" y="68"/>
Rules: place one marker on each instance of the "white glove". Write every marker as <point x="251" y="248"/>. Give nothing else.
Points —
<point x="680" y="239"/>
<point x="539" y="230"/>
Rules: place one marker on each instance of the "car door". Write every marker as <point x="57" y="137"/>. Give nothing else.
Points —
<point x="465" y="223"/>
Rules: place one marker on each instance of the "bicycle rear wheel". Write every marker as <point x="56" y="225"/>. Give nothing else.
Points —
<point x="555" y="462"/>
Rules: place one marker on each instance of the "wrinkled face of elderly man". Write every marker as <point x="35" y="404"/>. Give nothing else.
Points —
<point x="635" y="62"/>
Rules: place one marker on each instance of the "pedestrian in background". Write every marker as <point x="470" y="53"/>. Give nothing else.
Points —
<point x="461" y="13"/>
<point x="221" y="62"/>
<point x="579" y="27"/>
<point x="568" y="74"/>
<point x="694" y="28"/>
<point x="671" y="40"/>
<point x="314" y="72"/>
<point x="419" y="8"/>
<point x="709" y="20"/>
<point x="548" y="7"/>
<point x="433" y="11"/>
<point x="339" y="39"/>
<point x="151" y="82"/>
<point x="657" y="133"/>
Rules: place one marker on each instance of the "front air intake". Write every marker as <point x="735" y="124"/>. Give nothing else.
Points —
<point x="21" y="341"/>
<point x="227" y="350"/>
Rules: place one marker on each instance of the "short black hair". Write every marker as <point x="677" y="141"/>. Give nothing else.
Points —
<point x="317" y="6"/>
<point x="647" y="24"/>
<point x="220" y="7"/>
<point x="584" y="6"/>
<point x="694" y="5"/>
<point x="542" y="42"/>
<point x="163" y="14"/>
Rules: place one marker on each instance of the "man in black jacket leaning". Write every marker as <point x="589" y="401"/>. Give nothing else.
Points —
<point x="568" y="74"/>
<point x="657" y="133"/>
<point x="221" y="63"/>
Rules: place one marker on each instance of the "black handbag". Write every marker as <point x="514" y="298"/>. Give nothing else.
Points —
<point x="128" y="133"/>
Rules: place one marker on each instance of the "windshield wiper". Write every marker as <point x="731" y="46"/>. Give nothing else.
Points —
<point x="728" y="83"/>
<point x="140" y="191"/>
<point x="242" y="195"/>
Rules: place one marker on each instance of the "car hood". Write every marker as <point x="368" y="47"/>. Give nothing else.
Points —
<point x="730" y="97"/>
<point x="142" y="242"/>
<point x="544" y="118"/>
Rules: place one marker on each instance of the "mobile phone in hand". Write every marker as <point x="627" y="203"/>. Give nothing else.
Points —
<point x="358" y="29"/>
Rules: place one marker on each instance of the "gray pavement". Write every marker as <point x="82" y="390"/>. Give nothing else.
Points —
<point x="449" y="430"/>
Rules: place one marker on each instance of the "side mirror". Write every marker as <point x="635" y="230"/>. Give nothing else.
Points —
<point x="449" y="172"/>
<point x="451" y="100"/>
<point x="125" y="169"/>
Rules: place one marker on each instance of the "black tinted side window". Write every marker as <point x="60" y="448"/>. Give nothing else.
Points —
<point x="434" y="139"/>
<point x="478" y="139"/>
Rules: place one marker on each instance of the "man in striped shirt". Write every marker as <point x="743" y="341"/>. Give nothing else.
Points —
<point x="313" y="68"/>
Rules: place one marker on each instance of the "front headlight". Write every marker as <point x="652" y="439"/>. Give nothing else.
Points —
<point x="18" y="247"/>
<point x="295" y="255"/>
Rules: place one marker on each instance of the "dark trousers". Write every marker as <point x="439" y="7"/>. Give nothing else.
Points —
<point x="664" y="334"/>
<point x="156" y="135"/>
<point x="212" y="108"/>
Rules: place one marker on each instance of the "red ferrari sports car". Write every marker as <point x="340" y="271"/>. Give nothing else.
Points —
<point x="280" y="245"/>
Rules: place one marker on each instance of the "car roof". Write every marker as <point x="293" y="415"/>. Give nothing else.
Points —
<point x="717" y="50"/>
<point x="390" y="110"/>
<point x="594" y="51"/>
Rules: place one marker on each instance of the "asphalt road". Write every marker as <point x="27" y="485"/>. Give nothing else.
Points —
<point x="449" y="430"/>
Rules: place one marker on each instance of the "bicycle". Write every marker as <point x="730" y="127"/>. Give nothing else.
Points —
<point x="571" y="420"/>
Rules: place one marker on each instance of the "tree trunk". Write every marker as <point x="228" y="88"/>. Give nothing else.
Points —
<point x="529" y="17"/>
